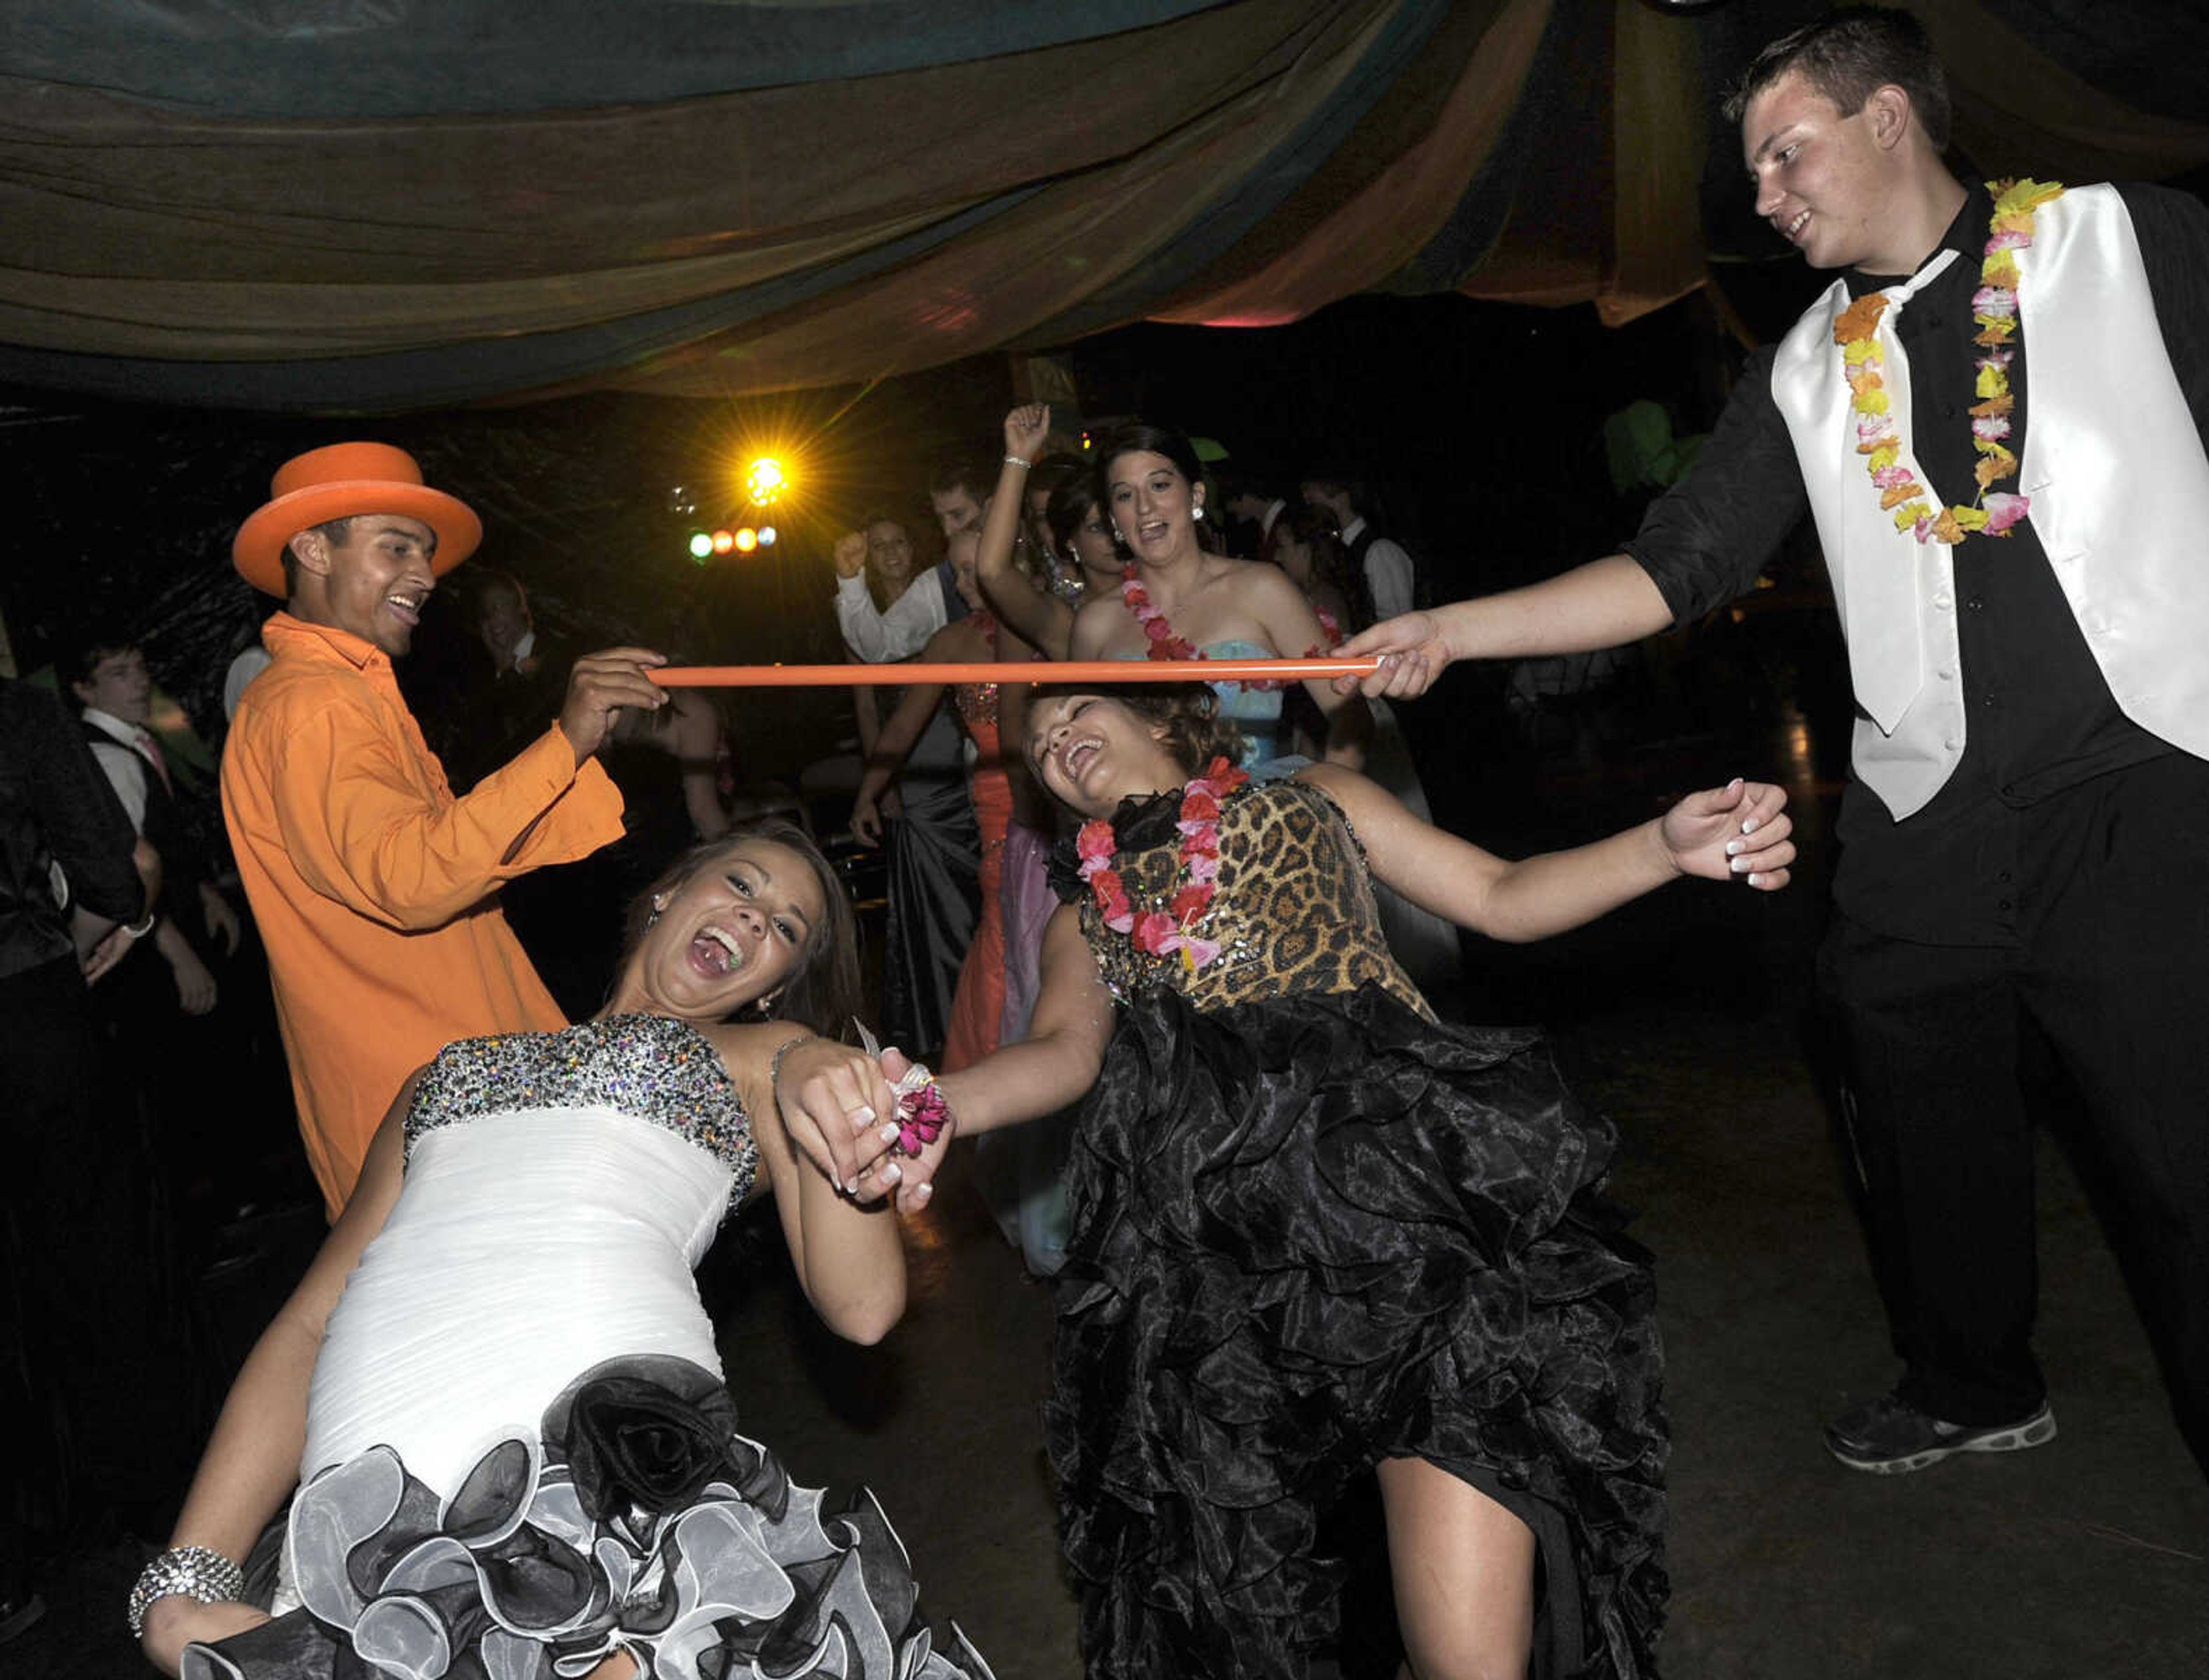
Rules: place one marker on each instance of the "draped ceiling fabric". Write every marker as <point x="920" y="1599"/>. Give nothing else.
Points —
<point x="379" y="205"/>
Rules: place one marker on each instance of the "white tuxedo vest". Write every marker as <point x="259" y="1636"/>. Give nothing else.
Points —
<point x="2119" y="484"/>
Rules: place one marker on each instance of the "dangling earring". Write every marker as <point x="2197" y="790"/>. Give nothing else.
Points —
<point x="658" y="905"/>
<point x="1200" y="510"/>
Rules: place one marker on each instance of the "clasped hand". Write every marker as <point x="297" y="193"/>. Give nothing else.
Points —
<point x="1739" y="832"/>
<point x="839" y="1107"/>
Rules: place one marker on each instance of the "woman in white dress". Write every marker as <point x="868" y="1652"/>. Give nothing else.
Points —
<point x="496" y="1388"/>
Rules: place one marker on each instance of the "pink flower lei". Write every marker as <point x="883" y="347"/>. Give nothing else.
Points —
<point x="1164" y="644"/>
<point x="1163" y="932"/>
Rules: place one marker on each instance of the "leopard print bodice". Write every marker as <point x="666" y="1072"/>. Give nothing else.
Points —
<point x="1294" y="914"/>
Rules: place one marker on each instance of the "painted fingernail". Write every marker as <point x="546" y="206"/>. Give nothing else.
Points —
<point x="1750" y="826"/>
<point x="891" y="1174"/>
<point x="864" y="1115"/>
<point x="851" y="1187"/>
<point x="1732" y="846"/>
<point x="1755" y="880"/>
<point x="922" y="1192"/>
<point x="1739" y="864"/>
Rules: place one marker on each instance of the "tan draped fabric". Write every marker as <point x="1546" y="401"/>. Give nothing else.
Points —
<point x="1237" y="164"/>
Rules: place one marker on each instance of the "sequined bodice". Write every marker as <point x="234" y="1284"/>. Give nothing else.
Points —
<point x="650" y="1067"/>
<point x="978" y="701"/>
<point x="1294" y="914"/>
<point x="978" y="709"/>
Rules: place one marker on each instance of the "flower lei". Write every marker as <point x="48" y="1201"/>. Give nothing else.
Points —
<point x="1165" y="645"/>
<point x="1994" y="308"/>
<point x="1161" y="932"/>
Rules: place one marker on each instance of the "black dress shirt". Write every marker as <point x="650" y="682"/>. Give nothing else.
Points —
<point x="2041" y="717"/>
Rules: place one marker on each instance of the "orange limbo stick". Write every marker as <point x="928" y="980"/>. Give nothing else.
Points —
<point x="1058" y="672"/>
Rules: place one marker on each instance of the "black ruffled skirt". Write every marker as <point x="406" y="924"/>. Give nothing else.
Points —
<point x="640" y="1521"/>
<point x="1310" y="1234"/>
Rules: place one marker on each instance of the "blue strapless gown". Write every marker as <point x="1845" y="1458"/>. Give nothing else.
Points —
<point x="1255" y="712"/>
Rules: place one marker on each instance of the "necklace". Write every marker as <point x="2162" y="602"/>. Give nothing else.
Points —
<point x="1994" y="311"/>
<point x="1165" y="645"/>
<point x="1161" y="932"/>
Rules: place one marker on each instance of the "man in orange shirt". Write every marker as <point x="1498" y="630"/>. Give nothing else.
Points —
<point x="374" y="887"/>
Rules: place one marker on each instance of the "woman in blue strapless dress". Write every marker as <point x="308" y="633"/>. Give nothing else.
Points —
<point x="1180" y="599"/>
<point x="496" y="1388"/>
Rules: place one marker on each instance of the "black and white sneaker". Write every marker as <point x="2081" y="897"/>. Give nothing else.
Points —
<point x="1889" y="1436"/>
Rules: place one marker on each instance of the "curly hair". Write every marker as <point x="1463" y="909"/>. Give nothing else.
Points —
<point x="1186" y="714"/>
<point x="1849" y="55"/>
<point x="822" y="991"/>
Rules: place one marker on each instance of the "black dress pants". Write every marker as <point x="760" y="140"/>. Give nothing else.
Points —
<point x="2105" y="949"/>
<point x="97" y="1399"/>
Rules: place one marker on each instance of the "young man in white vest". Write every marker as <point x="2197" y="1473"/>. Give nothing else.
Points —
<point x="2016" y="522"/>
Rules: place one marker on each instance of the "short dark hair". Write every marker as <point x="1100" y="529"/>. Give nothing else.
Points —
<point x="1338" y="482"/>
<point x="822" y="992"/>
<point x="335" y="532"/>
<point x="79" y="659"/>
<point x="961" y="469"/>
<point x="484" y="581"/>
<point x="1187" y="712"/>
<point x="1054" y="470"/>
<point x="1240" y="478"/>
<point x="1849" y="55"/>
<point x="1069" y="506"/>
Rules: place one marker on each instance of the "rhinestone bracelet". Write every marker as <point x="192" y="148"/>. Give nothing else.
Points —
<point x="191" y="1572"/>
<point x="774" y="1064"/>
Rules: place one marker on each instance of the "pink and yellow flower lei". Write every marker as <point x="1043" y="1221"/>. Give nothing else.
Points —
<point x="1163" y="932"/>
<point x="1164" y="644"/>
<point x="1994" y="308"/>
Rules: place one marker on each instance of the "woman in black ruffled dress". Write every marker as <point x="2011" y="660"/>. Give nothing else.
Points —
<point x="1318" y="1234"/>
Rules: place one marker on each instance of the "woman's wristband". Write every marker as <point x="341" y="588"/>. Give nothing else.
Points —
<point x="187" y="1572"/>
<point x="139" y="930"/>
<point x="1014" y="460"/>
<point x="774" y="1064"/>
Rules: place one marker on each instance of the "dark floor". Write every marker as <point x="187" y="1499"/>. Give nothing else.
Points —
<point x="1684" y="1021"/>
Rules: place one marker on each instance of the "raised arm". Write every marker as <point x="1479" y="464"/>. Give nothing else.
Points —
<point x="252" y="1459"/>
<point x="872" y="635"/>
<point x="1605" y="604"/>
<point x="1737" y="832"/>
<point x="1034" y="614"/>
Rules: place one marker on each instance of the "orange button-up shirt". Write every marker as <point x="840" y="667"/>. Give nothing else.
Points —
<point x="374" y="887"/>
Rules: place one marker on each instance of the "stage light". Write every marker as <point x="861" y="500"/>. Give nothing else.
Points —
<point x="765" y="479"/>
<point x="747" y="539"/>
<point x="723" y="542"/>
<point x="702" y="544"/>
<point x="766" y="536"/>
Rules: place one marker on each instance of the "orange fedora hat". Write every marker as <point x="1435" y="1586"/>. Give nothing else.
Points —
<point x="340" y="479"/>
